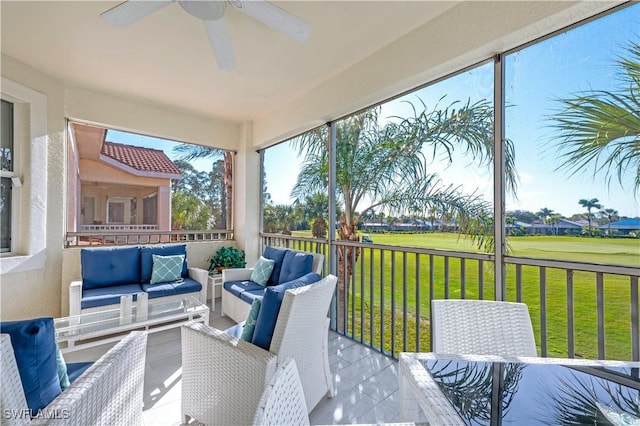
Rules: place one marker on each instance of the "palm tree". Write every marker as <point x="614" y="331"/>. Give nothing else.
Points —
<point x="553" y="220"/>
<point x="593" y="203"/>
<point x="191" y="152"/>
<point x="600" y="129"/>
<point x="610" y="214"/>
<point x="510" y="222"/>
<point x="314" y="209"/>
<point x="544" y="213"/>
<point x="384" y="165"/>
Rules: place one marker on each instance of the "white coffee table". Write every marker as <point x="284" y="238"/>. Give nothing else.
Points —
<point x="97" y="328"/>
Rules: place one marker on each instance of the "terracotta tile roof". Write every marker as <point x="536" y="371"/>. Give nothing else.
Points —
<point x="139" y="158"/>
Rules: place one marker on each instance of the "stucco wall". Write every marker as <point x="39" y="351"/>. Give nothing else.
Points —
<point x="32" y="287"/>
<point x="42" y="291"/>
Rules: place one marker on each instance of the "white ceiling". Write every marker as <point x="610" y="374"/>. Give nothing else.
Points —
<point x="166" y="58"/>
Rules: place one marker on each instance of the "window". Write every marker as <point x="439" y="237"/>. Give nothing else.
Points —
<point x="24" y="177"/>
<point x="571" y="112"/>
<point x="8" y="174"/>
<point x="129" y="181"/>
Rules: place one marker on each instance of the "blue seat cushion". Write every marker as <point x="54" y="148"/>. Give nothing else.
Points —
<point x="34" y="347"/>
<point x="110" y="266"/>
<point x="102" y="296"/>
<point x="146" y="259"/>
<point x="75" y="369"/>
<point x="277" y="255"/>
<point x="295" y="265"/>
<point x="182" y="286"/>
<point x="238" y="287"/>
<point x="250" y="295"/>
<point x="271" y="302"/>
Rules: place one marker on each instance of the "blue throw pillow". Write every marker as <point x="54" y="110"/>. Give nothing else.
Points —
<point x="166" y="268"/>
<point x="146" y="259"/>
<point x="271" y="302"/>
<point x="250" y="323"/>
<point x="277" y="255"/>
<point x="62" y="369"/>
<point x="262" y="271"/>
<point x="34" y="346"/>
<point x="295" y="265"/>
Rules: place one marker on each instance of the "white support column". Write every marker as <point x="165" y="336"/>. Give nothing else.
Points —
<point x="498" y="178"/>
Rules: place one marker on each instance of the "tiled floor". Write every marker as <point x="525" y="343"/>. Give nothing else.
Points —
<point x="366" y="381"/>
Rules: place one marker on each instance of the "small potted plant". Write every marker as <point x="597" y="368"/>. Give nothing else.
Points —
<point x="226" y="257"/>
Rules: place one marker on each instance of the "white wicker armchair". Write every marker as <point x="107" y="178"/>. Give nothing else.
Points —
<point x="223" y="378"/>
<point x="282" y="402"/>
<point x="482" y="327"/>
<point x="110" y="392"/>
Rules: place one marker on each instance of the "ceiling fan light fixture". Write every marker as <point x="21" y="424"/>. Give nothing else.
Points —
<point x="211" y="10"/>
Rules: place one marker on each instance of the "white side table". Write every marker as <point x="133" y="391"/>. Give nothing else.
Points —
<point x="215" y="288"/>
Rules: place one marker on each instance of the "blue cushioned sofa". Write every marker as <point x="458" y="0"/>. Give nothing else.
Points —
<point x="238" y="291"/>
<point x="111" y="272"/>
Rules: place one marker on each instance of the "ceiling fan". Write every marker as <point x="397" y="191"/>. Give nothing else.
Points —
<point x="211" y="12"/>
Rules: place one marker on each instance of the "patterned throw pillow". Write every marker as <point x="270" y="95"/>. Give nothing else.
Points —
<point x="250" y="323"/>
<point x="166" y="268"/>
<point x="262" y="272"/>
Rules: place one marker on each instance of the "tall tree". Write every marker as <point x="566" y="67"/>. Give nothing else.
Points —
<point x="593" y="203"/>
<point x="554" y="220"/>
<point x="600" y="129"/>
<point x="315" y="208"/>
<point x="383" y="163"/>
<point x="544" y="213"/>
<point x="188" y="212"/>
<point x="610" y="214"/>
<point x="223" y="168"/>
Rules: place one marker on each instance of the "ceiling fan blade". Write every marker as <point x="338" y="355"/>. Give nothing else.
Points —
<point x="130" y="11"/>
<point x="274" y="17"/>
<point x="219" y="39"/>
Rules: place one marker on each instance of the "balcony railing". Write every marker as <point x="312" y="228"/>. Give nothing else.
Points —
<point x="578" y="310"/>
<point x="140" y="236"/>
<point x="118" y="228"/>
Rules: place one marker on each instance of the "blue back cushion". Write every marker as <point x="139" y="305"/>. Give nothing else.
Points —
<point x="295" y="265"/>
<point x="277" y="255"/>
<point x="271" y="302"/>
<point x="103" y="267"/>
<point x="146" y="259"/>
<point x="34" y="346"/>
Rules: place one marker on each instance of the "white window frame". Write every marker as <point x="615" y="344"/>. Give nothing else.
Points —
<point x="28" y="244"/>
<point x="14" y="175"/>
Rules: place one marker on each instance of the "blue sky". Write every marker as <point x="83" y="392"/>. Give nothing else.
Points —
<point x="578" y="60"/>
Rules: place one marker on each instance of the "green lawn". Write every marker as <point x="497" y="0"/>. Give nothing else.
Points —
<point x="380" y="290"/>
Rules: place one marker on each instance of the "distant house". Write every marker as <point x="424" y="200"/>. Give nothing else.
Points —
<point x="563" y="227"/>
<point x="116" y="187"/>
<point x="375" y="226"/>
<point x="624" y="227"/>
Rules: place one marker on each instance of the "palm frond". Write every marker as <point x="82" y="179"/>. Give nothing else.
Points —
<point x="600" y="130"/>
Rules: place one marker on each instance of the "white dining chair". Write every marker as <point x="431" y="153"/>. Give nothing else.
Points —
<point x="482" y="327"/>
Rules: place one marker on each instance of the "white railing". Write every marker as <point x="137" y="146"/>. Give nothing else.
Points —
<point x="118" y="227"/>
<point x="132" y="237"/>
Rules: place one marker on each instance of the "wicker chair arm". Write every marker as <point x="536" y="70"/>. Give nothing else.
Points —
<point x="236" y="274"/>
<point x="109" y="392"/>
<point x="222" y="377"/>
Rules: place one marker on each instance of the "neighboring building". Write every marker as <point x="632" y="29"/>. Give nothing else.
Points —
<point x="563" y="227"/>
<point x="623" y="227"/>
<point x="117" y="187"/>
